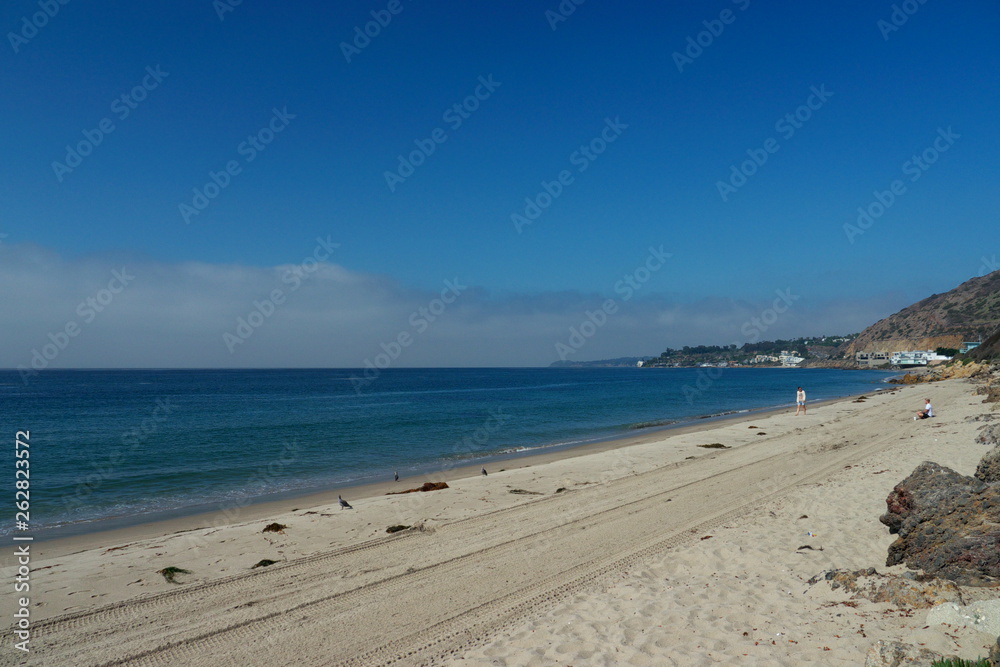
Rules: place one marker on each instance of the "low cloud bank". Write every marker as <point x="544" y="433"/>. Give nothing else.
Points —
<point x="101" y="312"/>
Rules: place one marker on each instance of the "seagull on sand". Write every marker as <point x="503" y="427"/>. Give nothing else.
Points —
<point x="396" y="475"/>
<point x="484" y="471"/>
<point x="344" y="505"/>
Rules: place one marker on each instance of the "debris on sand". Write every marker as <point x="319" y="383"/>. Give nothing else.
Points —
<point x="170" y="574"/>
<point x="427" y="486"/>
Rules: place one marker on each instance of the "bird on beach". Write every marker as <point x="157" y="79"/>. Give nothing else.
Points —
<point x="484" y="471"/>
<point x="344" y="505"/>
<point x="396" y="475"/>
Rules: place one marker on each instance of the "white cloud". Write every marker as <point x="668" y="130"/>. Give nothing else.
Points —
<point x="176" y="315"/>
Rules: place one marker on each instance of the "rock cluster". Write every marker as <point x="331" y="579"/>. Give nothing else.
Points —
<point x="989" y="435"/>
<point x="990" y="391"/>
<point x="990" y="377"/>
<point x="976" y="370"/>
<point x="910" y="592"/>
<point x="988" y="470"/>
<point x="948" y="525"/>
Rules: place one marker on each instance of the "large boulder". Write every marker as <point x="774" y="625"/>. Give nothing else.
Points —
<point x="948" y="525"/>
<point x="930" y="486"/>
<point x="988" y="469"/>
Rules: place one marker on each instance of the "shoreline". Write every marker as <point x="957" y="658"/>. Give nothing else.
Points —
<point x="677" y="547"/>
<point x="123" y="529"/>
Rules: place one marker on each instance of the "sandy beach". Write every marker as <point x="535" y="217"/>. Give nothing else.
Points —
<point x="652" y="551"/>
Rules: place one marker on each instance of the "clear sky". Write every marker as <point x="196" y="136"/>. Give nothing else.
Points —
<point x="706" y="155"/>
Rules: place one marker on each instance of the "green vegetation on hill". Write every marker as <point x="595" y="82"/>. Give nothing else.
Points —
<point x="822" y="347"/>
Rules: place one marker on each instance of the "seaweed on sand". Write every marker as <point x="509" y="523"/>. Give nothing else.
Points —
<point x="170" y="573"/>
<point x="274" y="528"/>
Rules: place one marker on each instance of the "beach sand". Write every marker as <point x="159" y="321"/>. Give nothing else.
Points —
<point x="655" y="552"/>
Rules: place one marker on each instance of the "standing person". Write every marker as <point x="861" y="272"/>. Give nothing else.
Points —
<point x="800" y="401"/>
<point x="928" y="410"/>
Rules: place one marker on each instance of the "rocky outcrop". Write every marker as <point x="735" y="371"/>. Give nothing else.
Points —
<point x="929" y="487"/>
<point x="905" y="592"/>
<point x="942" y="320"/>
<point x="989" y="435"/>
<point x="991" y="393"/>
<point x="995" y="653"/>
<point x="988" y="470"/>
<point x="947" y="372"/>
<point x="948" y="525"/>
<point x="894" y="654"/>
<point x="985" y="417"/>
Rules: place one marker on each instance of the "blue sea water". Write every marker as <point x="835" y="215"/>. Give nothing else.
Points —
<point x="137" y="445"/>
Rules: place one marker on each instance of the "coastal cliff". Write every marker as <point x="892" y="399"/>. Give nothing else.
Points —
<point x="966" y="313"/>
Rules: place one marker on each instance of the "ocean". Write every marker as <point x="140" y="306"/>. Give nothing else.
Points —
<point x="114" y="447"/>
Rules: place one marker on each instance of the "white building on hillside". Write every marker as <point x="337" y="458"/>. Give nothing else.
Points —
<point x="916" y="358"/>
<point x="790" y="358"/>
<point x="764" y="358"/>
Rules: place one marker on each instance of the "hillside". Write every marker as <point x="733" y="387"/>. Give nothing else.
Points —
<point x="990" y="349"/>
<point x="946" y="320"/>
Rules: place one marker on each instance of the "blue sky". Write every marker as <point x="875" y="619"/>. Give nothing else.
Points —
<point x="888" y="94"/>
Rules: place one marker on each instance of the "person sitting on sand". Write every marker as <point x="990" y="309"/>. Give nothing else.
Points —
<point x="800" y="401"/>
<point x="928" y="410"/>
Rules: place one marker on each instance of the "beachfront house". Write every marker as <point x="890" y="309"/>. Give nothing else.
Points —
<point x="916" y="358"/>
<point x="790" y="358"/>
<point x="872" y="358"/>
